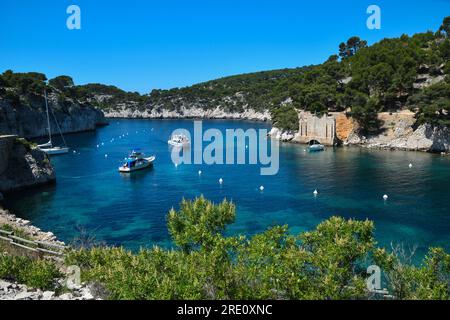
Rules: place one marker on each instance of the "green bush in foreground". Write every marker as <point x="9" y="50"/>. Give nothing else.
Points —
<point x="325" y="263"/>
<point x="39" y="274"/>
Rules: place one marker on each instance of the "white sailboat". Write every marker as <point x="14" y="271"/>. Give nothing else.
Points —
<point x="48" y="147"/>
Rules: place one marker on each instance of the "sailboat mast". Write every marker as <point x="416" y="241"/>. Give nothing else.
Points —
<point x="48" y="117"/>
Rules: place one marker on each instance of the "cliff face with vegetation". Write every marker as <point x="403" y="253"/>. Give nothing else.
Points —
<point x="408" y="73"/>
<point x="249" y="96"/>
<point x="391" y="76"/>
<point x="23" y="112"/>
<point x="22" y="165"/>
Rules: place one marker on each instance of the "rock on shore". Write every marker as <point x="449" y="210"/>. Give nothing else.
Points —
<point x="285" y="136"/>
<point x="11" y="290"/>
<point x="14" y="291"/>
<point x="7" y="218"/>
<point x="22" y="165"/>
<point x="399" y="132"/>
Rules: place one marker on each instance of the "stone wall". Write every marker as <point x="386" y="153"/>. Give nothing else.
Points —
<point x="311" y="127"/>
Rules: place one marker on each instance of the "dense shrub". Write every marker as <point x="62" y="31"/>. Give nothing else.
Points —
<point x="432" y="104"/>
<point x="326" y="263"/>
<point x="39" y="274"/>
<point x="285" y="118"/>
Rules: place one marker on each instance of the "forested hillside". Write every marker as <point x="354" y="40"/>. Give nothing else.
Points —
<point x="405" y="72"/>
<point x="409" y="71"/>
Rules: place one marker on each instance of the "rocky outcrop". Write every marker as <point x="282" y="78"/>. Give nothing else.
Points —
<point x="426" y="138"/>
<point x="14" y="291"/>
<point x="188" y="112"/>
<point x="11" y="290"/>
<point x="29" y="119"/>
<point x="7" y="218"/>
<point x="22" y="165"/>
<point x="282" y="135"/>
<point x="344" y="126"/>
<point x="399" y="132"/>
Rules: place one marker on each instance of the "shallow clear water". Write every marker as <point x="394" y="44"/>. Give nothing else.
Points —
<point x="131" y="210"/>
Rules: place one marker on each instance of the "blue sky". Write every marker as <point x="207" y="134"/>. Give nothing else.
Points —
<point x="139" y="45"/>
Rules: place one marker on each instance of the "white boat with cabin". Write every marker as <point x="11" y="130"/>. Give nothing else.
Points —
<point x="178" y="140"/>
<point x="136" y="161"/>
<point x="316" y="146"/>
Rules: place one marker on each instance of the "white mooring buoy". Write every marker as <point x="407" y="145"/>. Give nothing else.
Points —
<point x="261" y="188"/>
<point x="106" y="155"/>
<point x="221" y="181"/>
<point x="199" y="172"/>
<point x="410" y="165"/>
<point x="315" y="192"/>
<point x="385" y="197"/>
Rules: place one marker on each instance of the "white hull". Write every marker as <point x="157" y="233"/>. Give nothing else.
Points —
<point x="148" y="162"/>
<point x="55" y="150"/>
<point x="178" y="144"/>
<point x="316" y="147"/>
<point x="48" y="147"/>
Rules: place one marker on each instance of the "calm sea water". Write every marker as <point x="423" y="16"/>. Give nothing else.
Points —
<point x="131" y="210"/>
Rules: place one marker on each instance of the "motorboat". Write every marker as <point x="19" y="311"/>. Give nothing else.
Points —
<point x="48" y="147"/>
<point x="178" y="140"/>
<point x="316" y="146"/>
<point x="136" y="161"/>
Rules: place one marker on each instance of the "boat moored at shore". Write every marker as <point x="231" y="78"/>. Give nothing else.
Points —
<point x="316" y="146"/>
<point x="48" y="147"/>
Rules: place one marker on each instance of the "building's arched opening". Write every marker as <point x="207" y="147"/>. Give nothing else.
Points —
<point x="312" y="142"/>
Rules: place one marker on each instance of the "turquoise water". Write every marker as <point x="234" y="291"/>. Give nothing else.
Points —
<point x="131" y="210"/>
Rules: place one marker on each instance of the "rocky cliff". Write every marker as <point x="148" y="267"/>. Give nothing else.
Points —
<point x="187" y="111"/>
<point x="22" y="165"/>
<point x="29" y="119"/>
<point x="398" y="132"/>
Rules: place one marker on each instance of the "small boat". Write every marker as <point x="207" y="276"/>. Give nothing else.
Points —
<point x="48" y="147"/>
<point x="136" y="161"/>
<point x="315" y="146"/>
<point x="178" y="140"/>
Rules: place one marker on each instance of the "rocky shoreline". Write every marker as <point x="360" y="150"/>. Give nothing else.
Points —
<point x="188" y="113"/>
<point x="11" y="290"/>
<point x="7" y="218"/>
<point x="398" y="132"/>
<point x="23" y="165"/>
<point x="16" y="291"/>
